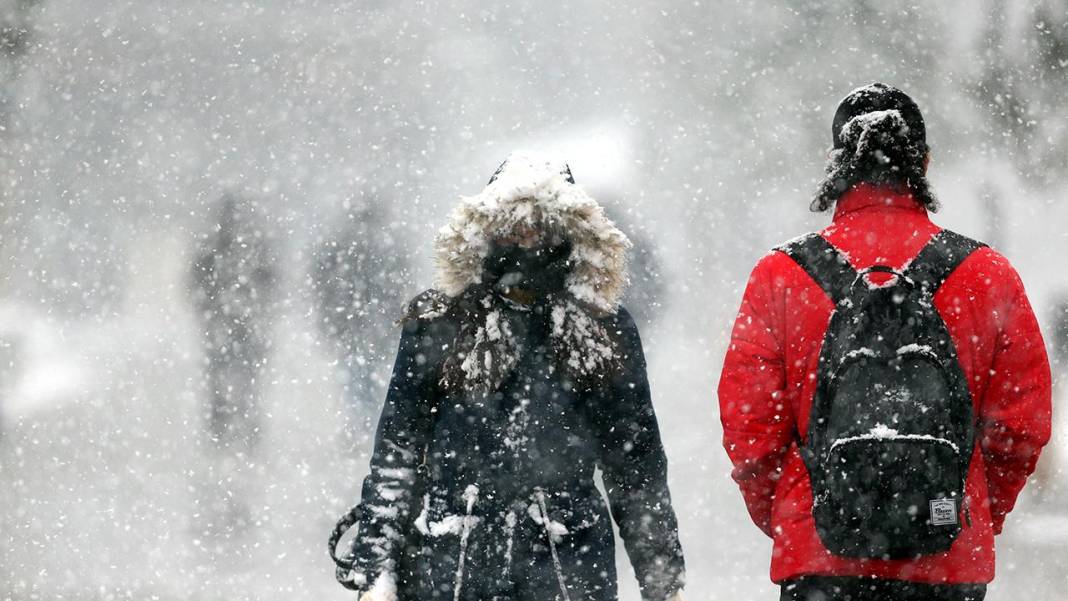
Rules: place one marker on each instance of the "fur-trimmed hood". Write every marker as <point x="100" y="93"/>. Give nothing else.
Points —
<point x="536" y="190"/>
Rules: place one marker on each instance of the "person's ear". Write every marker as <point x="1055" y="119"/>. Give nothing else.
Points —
<point x="926" y="162"/>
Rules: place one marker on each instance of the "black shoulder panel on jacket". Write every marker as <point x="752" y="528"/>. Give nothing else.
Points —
<point x="428" y="305"/>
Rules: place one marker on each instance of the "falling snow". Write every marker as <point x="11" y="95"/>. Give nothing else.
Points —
<point x="175" y="430"/>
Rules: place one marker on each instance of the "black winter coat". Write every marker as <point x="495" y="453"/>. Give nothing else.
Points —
<point x="480" y="498"/>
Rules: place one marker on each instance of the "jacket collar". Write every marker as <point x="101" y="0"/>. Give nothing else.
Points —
<point x="870" y="197"/>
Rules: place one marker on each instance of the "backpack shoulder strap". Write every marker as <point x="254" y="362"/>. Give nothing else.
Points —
<point x="939" y="258"/>
<point x="824" y="263"/>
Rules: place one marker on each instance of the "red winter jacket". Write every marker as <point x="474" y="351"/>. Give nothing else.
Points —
<point x="768" y="382"/>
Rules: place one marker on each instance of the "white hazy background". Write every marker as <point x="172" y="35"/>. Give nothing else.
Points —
<point x="703" y="126"/>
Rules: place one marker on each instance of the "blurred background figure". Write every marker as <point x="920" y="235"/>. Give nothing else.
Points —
<point x="646" y="290"/>
<point x="15" y="28"/>
<point x="1059" y="331"/>
<point x="234" y="284"/>
<point x="1051" y="474"/>
<point x="359" y="277"/>
<point x="16" y="25"/>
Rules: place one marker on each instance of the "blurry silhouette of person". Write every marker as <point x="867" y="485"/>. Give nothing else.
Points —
<point x="1050" y="481"/>
<point x="1060" y="327"/>
<point x="646" y="292"/>
<point x="234" y="283"/>
<point x="359" y="277"/>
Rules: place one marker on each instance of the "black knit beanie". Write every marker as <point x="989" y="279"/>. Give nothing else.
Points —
<point x="879" y="97"/>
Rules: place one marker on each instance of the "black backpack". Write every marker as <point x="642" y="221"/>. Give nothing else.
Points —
<point x="892" y="427"/>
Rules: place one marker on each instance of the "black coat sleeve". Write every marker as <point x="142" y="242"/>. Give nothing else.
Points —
<point x="635" y="467"/>
<point x="388" y="504"/>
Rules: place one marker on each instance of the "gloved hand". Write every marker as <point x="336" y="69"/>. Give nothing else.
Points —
<point x="676" y="597"/>
<point x="375" y="594"/>
<point x="383" y="589"/>
<point x="350" y="579"/>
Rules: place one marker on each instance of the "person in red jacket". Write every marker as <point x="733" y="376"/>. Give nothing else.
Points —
<point x="886" y="391"/>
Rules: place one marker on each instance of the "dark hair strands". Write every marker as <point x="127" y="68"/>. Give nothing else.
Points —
<point x="877" y="150"/>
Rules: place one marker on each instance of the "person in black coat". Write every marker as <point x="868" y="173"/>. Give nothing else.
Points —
<point x="513" y="383"/>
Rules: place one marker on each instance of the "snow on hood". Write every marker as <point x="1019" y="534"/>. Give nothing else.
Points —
<point x="535" y="190"/>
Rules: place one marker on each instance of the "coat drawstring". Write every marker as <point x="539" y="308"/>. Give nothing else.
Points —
<point x="552" y="544"/>
<point x="470" y="495"/>
<point x="510" y="521"/>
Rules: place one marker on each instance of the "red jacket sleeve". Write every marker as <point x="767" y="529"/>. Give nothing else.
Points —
<point x="757" y="422"/>
<point x="1015" y="411"/>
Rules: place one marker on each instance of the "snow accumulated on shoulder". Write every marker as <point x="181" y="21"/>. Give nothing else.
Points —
<point x="796" y="240"/>
<point x="427" y="306"/>
<point x="585" y="338"/>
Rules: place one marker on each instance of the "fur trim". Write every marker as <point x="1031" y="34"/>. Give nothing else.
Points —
<point x="532" y="189"/>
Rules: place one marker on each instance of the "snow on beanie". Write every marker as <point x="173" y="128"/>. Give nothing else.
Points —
<point x="880" y="138"/>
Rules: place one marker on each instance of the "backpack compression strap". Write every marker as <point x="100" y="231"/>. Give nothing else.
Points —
<point x="824" y="263"/>
<point x="939" y="258"/>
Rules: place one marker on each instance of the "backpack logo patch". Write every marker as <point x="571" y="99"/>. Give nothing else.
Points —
<point x="944" y="512"/>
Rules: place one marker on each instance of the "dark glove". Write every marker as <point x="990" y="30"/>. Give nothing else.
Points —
<point x="350" y="578"/>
